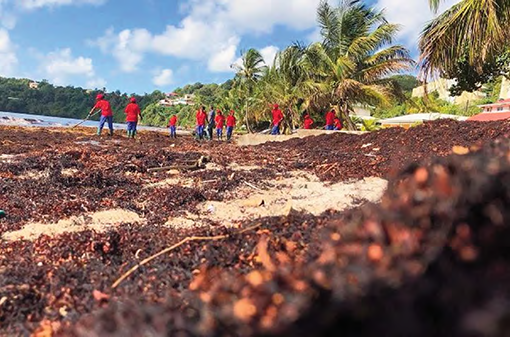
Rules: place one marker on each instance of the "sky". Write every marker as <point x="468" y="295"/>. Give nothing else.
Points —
<point x="138" y="46"/>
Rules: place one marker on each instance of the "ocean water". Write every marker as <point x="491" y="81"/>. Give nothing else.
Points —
<point x="19" y="119"/>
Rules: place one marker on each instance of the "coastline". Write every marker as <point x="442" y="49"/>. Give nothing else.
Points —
<point x="29" y="120"/>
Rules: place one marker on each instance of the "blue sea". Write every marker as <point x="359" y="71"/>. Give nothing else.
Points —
<point x="19" y="119"/>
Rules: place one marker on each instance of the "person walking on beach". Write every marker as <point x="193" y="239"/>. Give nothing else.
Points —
<point x="308" y="122"/>
<point x="132" y="112"/>
<point x="201" y="118"/>
<point x="106" y="114"/>
<point x="220" y="122"/>
<point x="330" y="120"/>
<point x="211" y="121"/>
<point x="277" y="119"/>
<point x="231" y="123"/>
<point x="172" y="124"/>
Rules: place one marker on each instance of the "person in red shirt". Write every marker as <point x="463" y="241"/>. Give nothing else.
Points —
<point x="330" y="120"/>
<point x="201" y="118"/>
<point x="173" y="126"/>
<point x="308" y="122"/>
<point x="220" y="121"/>
<point x="231" y="123"/>
<point x="338" y="124"/>
<point x="106" y="113"/>
<point x="132" y="112"/>
<point x="277" y="119"/>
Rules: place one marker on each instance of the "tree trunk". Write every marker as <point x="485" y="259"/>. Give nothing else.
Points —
<point x="287" y="122"/>
<point x="246" y="120"/>
<point x="344" y="114"/>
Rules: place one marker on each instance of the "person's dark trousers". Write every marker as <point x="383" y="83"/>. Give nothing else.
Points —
<point x="275" y="130"/>
<point x="200" y="131"/>
<point x="210" y="130"/>
<point x="230" y="130"/>
<point x="102" y="121"/>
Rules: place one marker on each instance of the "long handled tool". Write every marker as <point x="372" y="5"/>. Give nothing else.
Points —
<point x="86" y="119"/>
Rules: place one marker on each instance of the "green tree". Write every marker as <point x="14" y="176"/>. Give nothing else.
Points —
<point x="248" y="73"/>
<point x="468" y="42"/>
<point x="352" y="63"/>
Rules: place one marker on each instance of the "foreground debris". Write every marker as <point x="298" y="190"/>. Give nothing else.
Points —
<point x="432" y="251"/>
<point x="440" y="229"/>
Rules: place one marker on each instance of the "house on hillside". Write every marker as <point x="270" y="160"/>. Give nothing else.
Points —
<point x="172" y="99"/>
<point x="33" y="85"/>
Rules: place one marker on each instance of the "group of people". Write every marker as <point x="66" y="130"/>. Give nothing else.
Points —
<point x="332" y="121"/>
<point x="215" y="120"/>
<point x="132" y="112"/>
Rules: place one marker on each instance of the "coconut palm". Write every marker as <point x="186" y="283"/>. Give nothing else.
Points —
<point x="352" y="63"/>
<point x="472" y="30"/>
<point x="285" y="83"/>
<point x="248" y="73"/>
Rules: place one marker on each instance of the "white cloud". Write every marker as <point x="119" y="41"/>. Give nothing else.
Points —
<point x="163" y="78"/>
<point x="127" y="47"/>
<point x="62" y="68"/>
<point x="269" y="53"/>
<point x="210" y="32"/>
<point x="8" y="59"/>
<point x="412" y="15"/>
<point x="222" y="60"/>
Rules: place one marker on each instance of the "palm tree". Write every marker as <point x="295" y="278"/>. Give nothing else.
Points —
<point x="285" y="82"/>
<point x="472" y="30"/>
<point x="352" y="64"/>
<point x="248" y="74"/>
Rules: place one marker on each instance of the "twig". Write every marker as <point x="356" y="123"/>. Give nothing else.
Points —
<point x="251" y="185"/>
<point x="330" y="168"/>
<point x="209" y="181"/>
<point x="177" y="245"/>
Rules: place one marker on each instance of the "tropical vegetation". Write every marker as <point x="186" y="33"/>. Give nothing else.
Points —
<point x="469" y="42"/>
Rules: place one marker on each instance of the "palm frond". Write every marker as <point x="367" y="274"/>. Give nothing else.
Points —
<point x="478" y="27"/>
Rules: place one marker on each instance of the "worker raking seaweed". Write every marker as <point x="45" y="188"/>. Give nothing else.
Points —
<point x="201" y="118"/>
<point x="132" y="112"/>
<point x="172" y="124"/>
<point x="231" y="123"/>
<point x="330" y="120"/>
<point x="220" y="122"/>
<point x="308" y="122"/>
<point x="338" y="124"/>
<point x="106" y="113"/>
<point x="277" y="119"/>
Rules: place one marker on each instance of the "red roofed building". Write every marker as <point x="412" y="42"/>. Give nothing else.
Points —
<point x="493" y="112"/>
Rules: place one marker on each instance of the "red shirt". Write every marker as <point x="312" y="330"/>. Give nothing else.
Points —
<point x="277" y="116"/>
<point x="173" y="121"/>
<point x="104" y="105"/>
<point x="231" y="120"/>
<point x="201" y="117"/>
<point x="132" y="111"/>
<point x="308" y="122"/>
<point x="338" y="124"/>
<point x="220" y="120"/>
<point x="330" y="118"/>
